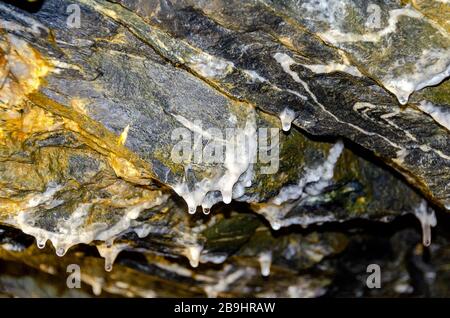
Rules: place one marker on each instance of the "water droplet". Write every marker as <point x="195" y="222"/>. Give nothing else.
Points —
<point x="226" y="197"/>
<point x="60" y="251"/>
<point x="41" y="243"/>
<point x="265" y="260"/>
<point x="276" y="226"/>
<point x="286" y="126"/>
<point x="403" y="100"/>
<point x="193" y="255"/>
<point x="192" y="210"/>
<point x="206" y="211"/>
<point x="97" y="287"/>
<point x="109" y="243"/>
<point x="427" y="219"/>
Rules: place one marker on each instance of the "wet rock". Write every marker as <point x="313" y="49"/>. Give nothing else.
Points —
<point x="115" y="135"/>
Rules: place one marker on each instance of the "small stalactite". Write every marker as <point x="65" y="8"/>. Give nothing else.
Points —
<point x="265" y="261"/>
<point x="109" y="253"/>
<point x="193" y="255"/>
<point x="427" y="220"/>
<point x="286" y="118"/>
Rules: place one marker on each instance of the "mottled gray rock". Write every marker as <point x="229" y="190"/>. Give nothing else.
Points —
<point x="91" y="117"/>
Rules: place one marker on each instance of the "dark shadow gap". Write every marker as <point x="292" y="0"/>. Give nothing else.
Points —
<point x="31" y="6"/>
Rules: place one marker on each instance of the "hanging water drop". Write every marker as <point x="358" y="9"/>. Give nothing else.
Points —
<point x="265" y="261"/>
<point x="226" y="196"/>
<point x="193" y="254"/>
<point x="60" y="251"/>
<point x="192" y="210"/>
<point x="206" y="211"/>
<point x="402" y="99"/>
<point x="110" y="253"/>
<point x="97" y="286"/>
<point x="109" y="242"/>
<point x="286" y="118"/>
<point x="275" y="225"/>
<point x="427" y="220"/>
<point x="40" y="242"/>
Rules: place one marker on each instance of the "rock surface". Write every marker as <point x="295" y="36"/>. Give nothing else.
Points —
<point x="353" y="95"/>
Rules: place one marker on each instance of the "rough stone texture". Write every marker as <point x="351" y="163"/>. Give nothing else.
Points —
<point x="87" y="117"/>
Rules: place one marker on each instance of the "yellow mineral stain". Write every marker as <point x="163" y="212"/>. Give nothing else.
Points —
<point x="124" y="163"/>
<point x="119" y="38"/>
<point x="124" y="168"/>
<point x="21" y="122"/>
<point x="286" y="41"/>
<point x="22" y="70"/>
<point x="79" y="104"/>
<point x="123" y="136"/>
<point x="37" y="120"/>
<point x="2" y="134"/>
<point x="418" y="250"/>
<point x="8" y="206"/>
<point x="438" y="11"/>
